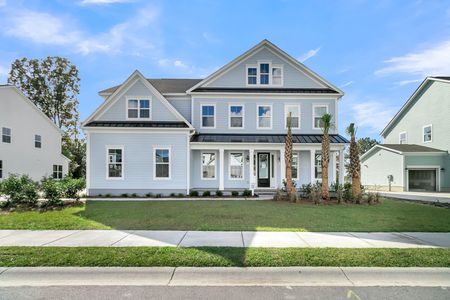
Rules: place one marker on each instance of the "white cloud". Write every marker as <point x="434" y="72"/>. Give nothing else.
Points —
<point x="405" y="82"/>
<point x="434" y="60"/>
<point x="2" y="3"/>
<point x="347" y="83"/>
<point x="373" y="115"/>
<point x="102" y="2"/>
<point x="167" y="63"/>
<point x="308" y="55"/>
<point x="209" y="37"/>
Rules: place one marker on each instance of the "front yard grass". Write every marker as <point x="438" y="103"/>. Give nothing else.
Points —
<point x="220" y="257"/>
<point x="391" y="215"/>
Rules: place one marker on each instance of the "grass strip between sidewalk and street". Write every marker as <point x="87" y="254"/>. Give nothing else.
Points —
<point x="220" y="257"/>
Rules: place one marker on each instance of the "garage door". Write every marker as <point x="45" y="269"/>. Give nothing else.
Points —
<point x="422" y="180"/>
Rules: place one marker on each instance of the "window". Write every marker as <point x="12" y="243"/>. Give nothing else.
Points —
<point x="37" y="141"/>
<point x="402" y="138"/>
<point x="427" y="133"/>
<point x="57" y="171"/>
<point x="162" y="163"/>
<point x="208" y="116"/>
<point x="277" y="76"/>
<point x="265" y="116"/>
<point x="294" y="110"/>
<point x="318" y="165"/>
<point x="138" y="109"/>
<point x="236" y="116"/>
<point x="264" y="73"/>
<point x="252" y="75"/>
<point x="6" y="135"/>
<point x="318" y="112"/>
<point x="1" y="169"/>
<point x="208" y="165"/>
<point x="115" y="163"/>
<point x="295" y="165"/>
<point x="236" y="165"/>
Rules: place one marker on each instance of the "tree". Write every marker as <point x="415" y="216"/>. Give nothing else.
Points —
<point x="75" y="150"/>
<point x="326" y="125"/>
<point x="355" y="166"/>
<point x="364" y="145"/>
<point x="290" y="190"/>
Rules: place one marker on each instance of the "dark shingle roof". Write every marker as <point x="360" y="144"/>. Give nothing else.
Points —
<point x="266" y="90"/>
<point x="143" y="124"/>
<point x="408" y="148"/>
<point x="164" y="86"/>
<point x="265" y="138"/>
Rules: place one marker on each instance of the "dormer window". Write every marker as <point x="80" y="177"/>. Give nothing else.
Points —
<point x="138" y="109"/>
<point x="265" y="74"/>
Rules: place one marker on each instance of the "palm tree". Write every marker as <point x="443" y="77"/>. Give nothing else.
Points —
<point x="290" y="190"/>
<point x="326" y="125"/>
<point x="355" y="166"/>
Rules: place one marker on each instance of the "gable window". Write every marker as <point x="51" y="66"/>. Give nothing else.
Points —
<point x="295" y="165"/>
<point x="236" y="165"/>
<point x="318" y="112"/>
<point x="264" y="73"/>
<point x="208" y="116"/>
<point x="236" y="116"/>
<point x="252" y="75"/>
<point x="37" y="141"/>
<point x="6" y="135"/>
<point x="57" y="171"/>
<point x="138" y="108"/>
<point x="427" y="133"/>
<point x="162" y="163"/>
<point x="318" y="165"/>
<point x="277" y="76"/>
<point x="115" y="163"/>
<point x="1" y="169"/>
<point x="294" y="110"/>
<point x="208" y="165"/>
<point x="402" y="138"/>
<point x="264" y="116"/>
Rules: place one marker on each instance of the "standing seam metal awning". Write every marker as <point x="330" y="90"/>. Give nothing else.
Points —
<point x="266" y="138"/>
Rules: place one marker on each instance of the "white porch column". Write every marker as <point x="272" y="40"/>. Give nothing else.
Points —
<point x="341" y="167"/>
<point x="282" y="166"/>
<point x="221" y="170"/>
<point x="312" y="159"/>
<point x="251" y="177"/>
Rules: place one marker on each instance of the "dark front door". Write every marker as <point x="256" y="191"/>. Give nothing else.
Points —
<point x="263" y="169"/>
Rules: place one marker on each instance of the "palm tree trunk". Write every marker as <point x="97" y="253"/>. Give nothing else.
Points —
<point x="288" y="163"/>
<point x="325" y="163"/>
<point x="356" y="168"/>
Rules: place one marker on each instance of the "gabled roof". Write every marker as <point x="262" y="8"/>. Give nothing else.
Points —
<point x="409" y="102"/>
<point x="266" y="138"/>
<point x="403" y="149"/>
<point x="163" y="85"/>
<point x="265" y="43"/>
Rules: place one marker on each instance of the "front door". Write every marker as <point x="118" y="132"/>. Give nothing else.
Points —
<point x="263" y="169"/>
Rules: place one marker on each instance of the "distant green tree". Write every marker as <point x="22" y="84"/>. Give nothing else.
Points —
<point x="363" y="145"/>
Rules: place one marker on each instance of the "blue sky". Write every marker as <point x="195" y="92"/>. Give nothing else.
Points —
<point x="378" y="52"/>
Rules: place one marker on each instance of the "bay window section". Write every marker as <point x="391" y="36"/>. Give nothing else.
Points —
<point x="208" y="116"/>
<point x="115" y="163"/>
<point x="208" y="165"/>
<point x="162" y="163"/>
<point x="236" y="116"/>
<point x="236" y="162"/>
<point x="264" y="116"/>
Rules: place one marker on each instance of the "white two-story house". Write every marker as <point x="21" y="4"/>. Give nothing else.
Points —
<point x="224" y="132"/>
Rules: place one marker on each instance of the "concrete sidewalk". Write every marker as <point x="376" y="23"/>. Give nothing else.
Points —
<point x="442" y="198"/>
<point x="149" y="238"/>
<point x="183" y="276"/>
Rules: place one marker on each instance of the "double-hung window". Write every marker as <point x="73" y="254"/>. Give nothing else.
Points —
<point x="294" y="111"/>
<point x="318" y="112"/>
<point x="294" y="165"/>
<point x="318" y="165"/>
<point x="1" y="169"/>
<point x="252" y="75"/>
<point x="427" y="133"/>
<point x="37" y="141"/>
<point x="115" y="163"/>
<point x="138" y="109"/>
<point x="236" y="165"/>
<point x="277" y="76"/>
<point x="208" y="116"/>
<point x="264" y="116"/>
<point x="402" y="138"/>
<point x="6" y="135"/>
<point x="57" y="171"/>
<point x="236" y="116"/>
<point x="162" y="163"/>
<point x="208" y="165"/>
<point x="264" y="73"/>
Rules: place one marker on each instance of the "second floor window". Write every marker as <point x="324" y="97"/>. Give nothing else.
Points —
<point x="57" y="171"/>
<point x="37" y="141"/>
<point x="427" y="133"/>
<point x="402" y="138"/>
<point x="265" y="116"/>
<point x="294" y="110"/>
<point x="115" y="163"/>
<point x="208" y="116"/>
<point x="318" y="112"/>
<point x="208" y="165"/>
<point x="236" y="116"/>
<point x="138" y="109"/>
<point x="6" y="135"/>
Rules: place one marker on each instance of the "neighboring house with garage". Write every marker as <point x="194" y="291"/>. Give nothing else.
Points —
<point x="224" y="132"/>
<point x="30" y="142"/>
<point x="415" y="154"/>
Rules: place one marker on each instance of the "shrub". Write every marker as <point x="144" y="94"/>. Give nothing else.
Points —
<point x="134" y="195"/>
<point x="234" y="193"/>
<point x="219" y="193"/>
<point x="172" y="194"/>
<point x="247" y="193"/>
<point x="150" y="195"/>
<point x="294" y="184"/>
<point x="206" y="194"/>
<point x="316" y="193"/>
<point x="20" y="190"/>
<point x="72" y="187"/>
<point x="53" y="191"/>
<point x="158" y="196"/>
<point x="278" y="196"/>
<point x="107" y="195"/>
<point x="348" y="192"/>
<point x="180" y="195"/>
<point x="125" y="195"/>
<point x="306" y="190"/>
<point x="193" y="193"/>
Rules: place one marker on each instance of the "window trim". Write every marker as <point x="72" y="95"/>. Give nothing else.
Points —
<point x="282" y="74"/>
<point x="315" y="153"/>
<point x="258" y="73"/>
<point x="400" y="137"/>
<point x="57" y="172"/>
<point x="257" y="116"/>
<point x="246" y="74"/>
<point x="139" y="98"/>
<point x="259" y="63"/>
<point x="201" y="115"/>
<point x="229" y="115"/>
<point x="108" y="147"/>
<point x="299" y="114"/>
<point x="10" y="135"/>
<point x="423" y="133"/>
<point x="298" y="163"/>
<point x="36" y="141"/>
<point x="201" y="165"/>
<point x="229" y="165"/>
<point x="314" y="114"/>
<point x="154" y="162"/>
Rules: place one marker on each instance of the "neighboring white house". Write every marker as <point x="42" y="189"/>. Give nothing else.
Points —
<point x="224" y="132"/>
<point x="415" y="156"/>
<point x="30" y="143"/>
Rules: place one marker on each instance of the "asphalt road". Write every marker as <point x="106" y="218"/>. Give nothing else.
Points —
<point x="218" y="293"/>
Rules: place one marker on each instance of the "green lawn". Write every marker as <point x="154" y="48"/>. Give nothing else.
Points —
<point x="235" y="215"/>
<point x="223" y="257"/>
